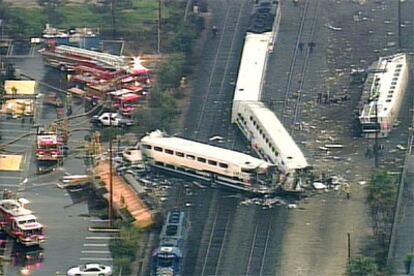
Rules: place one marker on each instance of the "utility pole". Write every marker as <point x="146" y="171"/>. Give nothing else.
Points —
<point x="113" y="19"/>
<point x="159" y="28"/>
<point x="349" y="247"/>
<point x="378" y="128"/>
<point x="110" y="209"/>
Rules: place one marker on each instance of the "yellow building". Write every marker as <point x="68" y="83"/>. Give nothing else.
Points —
<point x="20" y="87"/>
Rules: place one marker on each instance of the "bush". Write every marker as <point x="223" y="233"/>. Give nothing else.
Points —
<point x="362" y="266"/>
<point x="123" y="266"/>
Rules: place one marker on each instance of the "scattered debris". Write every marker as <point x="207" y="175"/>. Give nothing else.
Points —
<point x="264" y="202"/>
<point x="319" y="186"/>
<point x="333" y="28"/>
<point x="401" y="147"/>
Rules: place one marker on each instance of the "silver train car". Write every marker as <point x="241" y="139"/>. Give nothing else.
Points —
<point x="260" y="126"/>
<point x="212" y="164"/>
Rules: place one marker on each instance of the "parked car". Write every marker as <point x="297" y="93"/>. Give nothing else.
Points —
<point x="114" y="119"/>
<point x="90" y="270"/>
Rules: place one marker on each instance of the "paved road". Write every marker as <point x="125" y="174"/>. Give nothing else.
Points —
<point x="65" y="215"/>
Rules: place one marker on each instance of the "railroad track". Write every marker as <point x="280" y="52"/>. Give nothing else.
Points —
<point x="299" y="64"/>
<point x="406" y="31"/>
<point x="258" y="249"/>
<point x="215" y="236"/>
<point x="217" y="99"/>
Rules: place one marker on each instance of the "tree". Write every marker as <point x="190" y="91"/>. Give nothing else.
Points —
<point x="171" y="71"/>
<point x="382" y="194"/>
<point x="362" y="266"/>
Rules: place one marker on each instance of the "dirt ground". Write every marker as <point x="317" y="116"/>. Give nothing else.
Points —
<point x="316" y="236"/>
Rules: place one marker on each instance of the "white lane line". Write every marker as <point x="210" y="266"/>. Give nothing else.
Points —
<point x="10" y="177"/>
<point x="9" y="185"/>
<point x="102" y="238"/>
<point x="95" y="244"/>
<point x="95" y="252"/>
<point x="95" y="259"/>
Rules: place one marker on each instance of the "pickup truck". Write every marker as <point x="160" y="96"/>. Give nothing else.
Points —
<point x="114" y="119"/>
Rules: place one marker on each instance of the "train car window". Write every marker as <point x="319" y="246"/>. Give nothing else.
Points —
<point x="147" y="146"/>
<point x="179" y="154"/>
<point x="191" y="157"/>
<point x="157" y="149"/>
<point x="223" y="165"/>
<point x="201" y="159"/>
<point x="169" y="151"/>
<point x="212" y="162"/>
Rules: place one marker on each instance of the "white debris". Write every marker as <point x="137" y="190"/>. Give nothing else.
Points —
<point x="216" y="138"/>
<point x="292" y="206"/>
<point x="401" y="147"/>
<point x="333" y="28"/>
<point x="319" y="186"/>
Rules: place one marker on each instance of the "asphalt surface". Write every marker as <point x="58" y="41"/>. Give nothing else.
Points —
<point x="65" y="215"/>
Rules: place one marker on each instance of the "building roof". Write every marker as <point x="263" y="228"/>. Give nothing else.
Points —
<point x="23" y="87"/>
<point x="387" y="85"/>
<point x="198" y="149"/>
<point x="14" y="208"/>
<point x="291" y="154"/>
<point x="252" y="67"/>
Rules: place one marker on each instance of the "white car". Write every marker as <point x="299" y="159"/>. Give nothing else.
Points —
<point x="90" y="270"/>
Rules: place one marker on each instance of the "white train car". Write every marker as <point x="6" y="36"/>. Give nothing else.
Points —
<point x="213" y="164"/>
<point x="269" y="138"/>
<point x="386" y="94"/>
<point x="258" y="44"/>
<point x="252" y="69"/>
<point x="259" y="125"/>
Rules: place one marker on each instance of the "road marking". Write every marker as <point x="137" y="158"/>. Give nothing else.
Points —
<point x="95" y="252"/>
<point x="10" y="177"/>
<point x="9" y="185"/>
<point x="95" y="244"/>
<point x="102" y="238"/>
<point x="95" y="259"/>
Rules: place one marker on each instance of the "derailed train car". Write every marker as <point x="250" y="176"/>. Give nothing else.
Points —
<point x="212" y="164"/>
<point x="260" y="126"/>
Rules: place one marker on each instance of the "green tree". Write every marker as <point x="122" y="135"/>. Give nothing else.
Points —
<point x="362" y="266"/>
<point x="382" y="194"/>
<point x="171" y="71"/>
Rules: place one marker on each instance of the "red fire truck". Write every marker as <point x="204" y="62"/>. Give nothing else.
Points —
<point x="20" y="223"/>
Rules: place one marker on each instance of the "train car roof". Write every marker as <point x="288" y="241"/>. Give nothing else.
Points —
<point x="157" y="138"/>
<point x="172" y="229"/>
<point x="292" y="155"/>
<point x="252" y="67"/>
<point x="386" y="85"/>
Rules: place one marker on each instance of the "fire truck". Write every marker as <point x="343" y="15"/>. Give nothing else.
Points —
<point x="48" y="147"/>
<point x="20" y="223"/>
